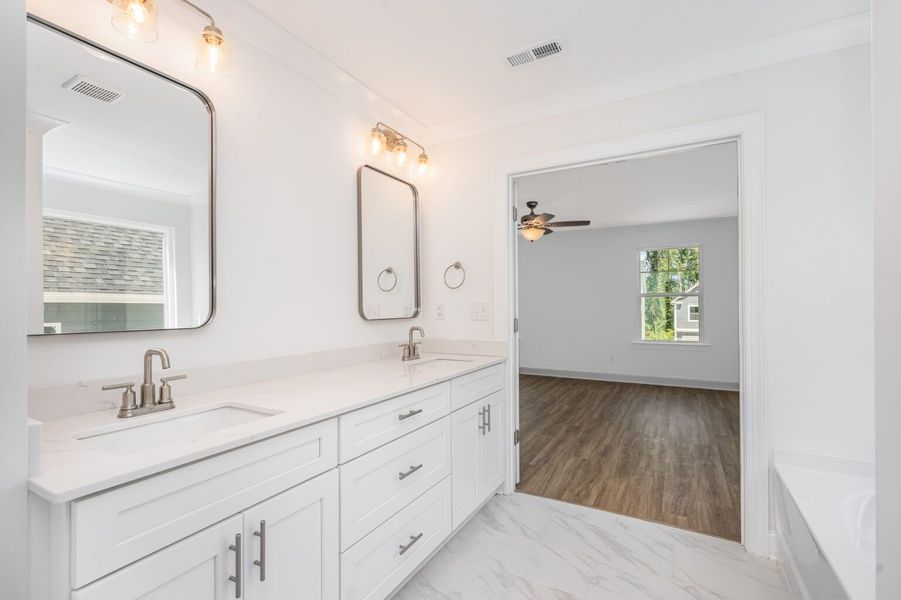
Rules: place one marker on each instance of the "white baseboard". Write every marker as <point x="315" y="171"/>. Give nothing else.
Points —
<point x="706" y="384"/>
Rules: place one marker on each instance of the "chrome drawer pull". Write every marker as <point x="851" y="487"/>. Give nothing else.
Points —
<point x="412" y="470"/>
<point x="237" y="578"/>
<point x="410" y="413"/>
<point x="488" y="421"/>
<point x="413" y="540"/>
<point x="262" y="562"/>
<point x="482" y="424"/>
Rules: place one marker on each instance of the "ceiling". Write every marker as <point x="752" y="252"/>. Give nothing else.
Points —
<point x="683" y="186"/>
<point x="443" y="60"/>
<point x="155" y="137"/>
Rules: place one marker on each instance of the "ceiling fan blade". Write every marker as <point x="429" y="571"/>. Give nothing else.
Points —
<point x="569" y="224"/>
<point x="542" y="218"/>
<point x="547" y="231"/>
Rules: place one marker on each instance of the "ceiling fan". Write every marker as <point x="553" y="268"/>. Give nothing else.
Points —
<point x="532" y="226"/>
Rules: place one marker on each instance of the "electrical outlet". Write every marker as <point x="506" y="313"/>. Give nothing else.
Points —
<point x="407" y="310"/>
<point x="479" y="311"/>
<point x="373" y="311"/>
<point x="612" y="358"/>
<point x="440" y="311"/>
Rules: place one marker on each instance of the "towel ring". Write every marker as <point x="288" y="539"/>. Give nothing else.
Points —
<point x="387" y="271"/>
<point x="459" y="267"/>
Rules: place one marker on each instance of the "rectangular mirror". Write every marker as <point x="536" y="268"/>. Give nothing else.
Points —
<point x="119" y="192"/>
<point x="388" y="229"/>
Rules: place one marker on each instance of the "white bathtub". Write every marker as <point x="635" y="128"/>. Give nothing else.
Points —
<point x="826" y="527"/>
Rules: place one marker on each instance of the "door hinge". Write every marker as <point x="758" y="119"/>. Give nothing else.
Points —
<point x="515" y="324"/>
<point x="515" y="214"/>
<point x="516" y="437"/>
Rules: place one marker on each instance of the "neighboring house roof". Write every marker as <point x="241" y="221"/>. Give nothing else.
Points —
<point x="85" y="257"/>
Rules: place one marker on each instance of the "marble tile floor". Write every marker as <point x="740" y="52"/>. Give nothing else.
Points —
<point x="522" y="547"/>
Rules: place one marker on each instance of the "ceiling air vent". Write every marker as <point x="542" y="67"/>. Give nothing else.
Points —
<point x="537" y="52"/>
<point x="83" y="86"/>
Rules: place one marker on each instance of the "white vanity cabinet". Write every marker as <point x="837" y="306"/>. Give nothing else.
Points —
<point x="285" y="547"/>
<point x="347" y="508"/>
<point x="478" y="456"/>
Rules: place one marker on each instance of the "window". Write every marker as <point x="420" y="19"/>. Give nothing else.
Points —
<point x="104" y="276"/>
<point x="670" y="294"/>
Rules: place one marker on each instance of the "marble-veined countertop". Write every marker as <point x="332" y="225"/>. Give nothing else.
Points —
<point x="72" y="467"/>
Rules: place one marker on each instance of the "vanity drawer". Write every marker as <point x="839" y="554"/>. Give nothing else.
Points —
<point x="376" y="486"/>
<point x="115" y="528"/>
<point x="475" y="386"/>
<point x="374" y="567"/>
<point x="368" y="428"/>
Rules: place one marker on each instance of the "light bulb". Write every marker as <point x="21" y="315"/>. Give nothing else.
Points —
<point x="532" y="233"/>
<point x="213" y="53"/>
<point x="378" y="141"/>
<point x="135" y="19"/>
<point x="423" y="164"/>
<point x="400" y="153"/>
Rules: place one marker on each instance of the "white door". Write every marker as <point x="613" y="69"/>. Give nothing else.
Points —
<point x="491" y="455"/>
<point x="466" y="441"/>
<point x="196" y="568"/>
<point x="291" y="543"/>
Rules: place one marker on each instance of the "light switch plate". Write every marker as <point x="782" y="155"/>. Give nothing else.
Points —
<point x="479" y="311"/>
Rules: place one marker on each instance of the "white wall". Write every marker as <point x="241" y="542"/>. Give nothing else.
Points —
<point x="13" y="445"/>
<point x="288" y="152"/>
<point x="886" y="158"/>
<point x="578" y="304"/>
<point x="819" y="380"/>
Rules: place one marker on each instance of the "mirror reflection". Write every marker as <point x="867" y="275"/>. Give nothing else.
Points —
<point x="389" y="256"/>
<point x="119" y="193"/>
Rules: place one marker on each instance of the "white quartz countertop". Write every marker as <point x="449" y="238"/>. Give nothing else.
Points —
<point x="72" y="468"/>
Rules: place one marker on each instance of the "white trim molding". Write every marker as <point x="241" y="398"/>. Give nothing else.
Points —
<point x="704" y="384"/>
<point x="748" y="131"/>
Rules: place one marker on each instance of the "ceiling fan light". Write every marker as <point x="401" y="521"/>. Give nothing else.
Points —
<point x="531" y="233"/>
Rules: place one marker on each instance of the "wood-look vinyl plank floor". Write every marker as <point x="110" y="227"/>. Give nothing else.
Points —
<point x="658" y="453"/>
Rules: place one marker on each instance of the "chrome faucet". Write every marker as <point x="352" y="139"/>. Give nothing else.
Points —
<point x="149" y="402"/>
<point x="411" y="348"/>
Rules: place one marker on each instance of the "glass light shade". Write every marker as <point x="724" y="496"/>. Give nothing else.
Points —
<point x="400" y="153"/>
<point x="135" y="19"/>
<point x="423" y="163"/>
<point x="378" y="141"/>
<point x="532" y="233"/>
<point x="213" y="53"/>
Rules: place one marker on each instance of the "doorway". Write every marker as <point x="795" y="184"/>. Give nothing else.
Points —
<point x="746" y="133"/>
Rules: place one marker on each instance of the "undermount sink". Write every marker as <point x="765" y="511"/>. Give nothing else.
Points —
<point x="440" y="362"/>
<point x="147" y="433"/>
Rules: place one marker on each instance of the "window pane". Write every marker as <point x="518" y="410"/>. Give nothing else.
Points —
<point x="668" y="282"/>
<point x="657" y="319"/>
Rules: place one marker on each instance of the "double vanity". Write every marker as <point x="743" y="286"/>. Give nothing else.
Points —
<point x="332" y="484"/>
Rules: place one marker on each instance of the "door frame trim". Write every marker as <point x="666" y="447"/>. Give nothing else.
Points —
<point x="749" y="132"/>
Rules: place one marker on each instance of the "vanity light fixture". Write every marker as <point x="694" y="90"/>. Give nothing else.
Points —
<point x="136" y="20"/>
<point x="385" y="139"/>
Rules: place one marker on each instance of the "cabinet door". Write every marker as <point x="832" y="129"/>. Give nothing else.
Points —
<point x="466" y="440"/>
<point x="298" y="553"/>
<point x="195" y="568"/>
<point x="491" y="457"/>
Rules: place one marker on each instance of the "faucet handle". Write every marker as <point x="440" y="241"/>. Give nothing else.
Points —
<point x="166" y="389"/>
<point x="129" y="402"/>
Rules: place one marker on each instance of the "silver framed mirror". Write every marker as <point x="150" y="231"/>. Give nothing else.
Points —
<point x="388" y="246"/>
<point x="120" y="225"/>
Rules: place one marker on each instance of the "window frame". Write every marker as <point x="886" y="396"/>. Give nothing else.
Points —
<point x="640" y="296"/>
